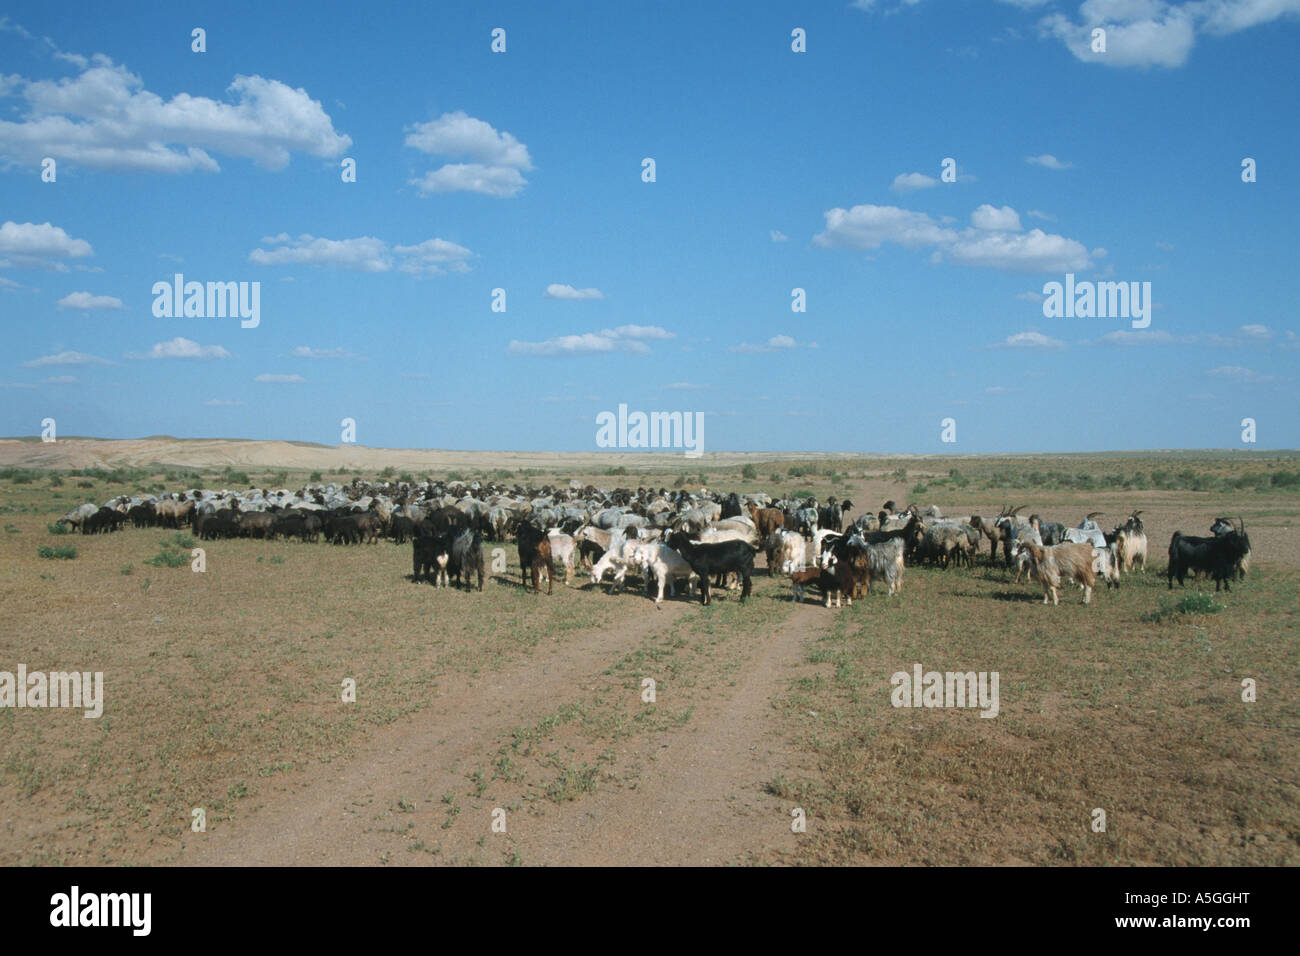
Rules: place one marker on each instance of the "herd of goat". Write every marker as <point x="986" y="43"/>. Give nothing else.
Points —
<point x="673" y="538"/>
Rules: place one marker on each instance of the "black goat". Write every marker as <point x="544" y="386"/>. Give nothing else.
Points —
<point x="721" y="558"/>
<point x="466" y="557"/>
<point x="1217" y="556"/>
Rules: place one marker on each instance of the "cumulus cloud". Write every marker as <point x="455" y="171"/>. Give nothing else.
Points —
<point x="496" y="160"/>
<point x="66" y="358"/>
<point x="279" y="379"/>
<point x="777" y="343"/>
<point x="557" y="291"/>
<point x="1048" y="161"/>
<point x="32" y="245"/>
<point x="991" y="217"/>
<point x="778" y="236"/>
<point x="1029" y="340"/>
<point x="625" y="338"/>
<point x="868" y="227"/>
<point x="433" y="257"/>
<point x="363" y="254"/>
<point x="104" y="118"/>
<point x="1156" y="33"/>
<point x="87" y="302"/>
<point x="907" y="182"/>
<point x="181" y="348"/>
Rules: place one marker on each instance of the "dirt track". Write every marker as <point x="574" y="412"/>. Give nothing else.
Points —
<point x="700" y="799"/>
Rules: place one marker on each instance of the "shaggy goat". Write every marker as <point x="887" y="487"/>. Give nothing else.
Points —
<point x="1049" y="565"/>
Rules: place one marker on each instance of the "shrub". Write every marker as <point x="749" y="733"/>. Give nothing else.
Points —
<point x="55" y="528"/>
<point x="56" y="481"/>
<point x="315" y="476"/>
<point x="1194" y="603"/>
<point x="749" y="471"/>
<point x="455" y="476"/>
<point x="617" y="470"/>
<point x="406" y="477"/>
<point x="65" y="551"/>
<point x="174" y="553"/>
<point x="388" y="472"/>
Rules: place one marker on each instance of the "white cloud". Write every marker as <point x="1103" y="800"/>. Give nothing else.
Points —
<point x="496" y="159"/>
<point x="501" y="182"/>
<point x="32" y="245"/>
<point x="557" y="291"/>
<point x="1142" y="337"/>
<point x="1030" y="296"/>
<point x="181" y="348"/>
<point x="66" y="358"/>
<point x="1145" y="33"/>
<point x="1029" y="340"/>
<point x="1033" y="251"/>
<point x="907" y="182"/>
<point x="1237" y="373"/>
<point x="307" y="352"/>
<point x="868" y="227"/>
<point x="625" y="338"/>
<point x="777" y="343"/>
<point x="85" y="301"/>
<point x="434" y="257"/>
<point x="221" y="403"/>
<point x="685" y="387"/>
<point x="105" y="118"/>
<point x="279" y="379"/>
<point x="993" y="218"/>
<point x="778" y="236"/>
<point x="61" y="380"/>
<point x="365" y="254"/>
<point x="1048" y="161"/>
<point x="1039" y="214"/>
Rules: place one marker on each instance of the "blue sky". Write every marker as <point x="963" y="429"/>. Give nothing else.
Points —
<point x="775" y="170"/>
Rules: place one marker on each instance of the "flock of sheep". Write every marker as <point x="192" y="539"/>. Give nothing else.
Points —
<point x="672" y="539"/>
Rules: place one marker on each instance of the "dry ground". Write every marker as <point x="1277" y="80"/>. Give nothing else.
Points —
<point x="223" y="692"/>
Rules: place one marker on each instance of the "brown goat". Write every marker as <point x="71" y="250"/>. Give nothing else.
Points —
<point x="766" y="520"/>
<point x="1048" y="565"/>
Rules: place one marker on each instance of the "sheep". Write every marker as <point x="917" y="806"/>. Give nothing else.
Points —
<point x="1049" y="564"/>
